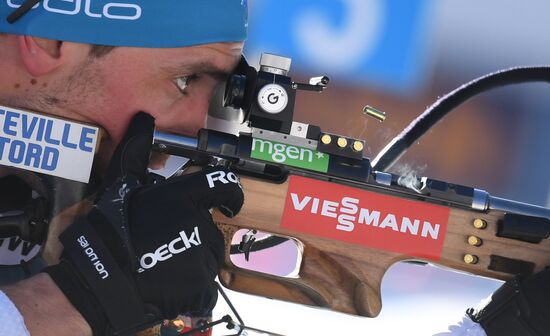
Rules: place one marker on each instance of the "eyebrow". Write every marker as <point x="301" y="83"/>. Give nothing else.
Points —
<point x="203" y="68"/>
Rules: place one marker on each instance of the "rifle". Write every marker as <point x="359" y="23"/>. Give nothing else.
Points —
<point x="351" y="219"/>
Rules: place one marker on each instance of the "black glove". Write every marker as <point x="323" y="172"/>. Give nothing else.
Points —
<point x="521" y="306"/>
<point x="147" y="251"/>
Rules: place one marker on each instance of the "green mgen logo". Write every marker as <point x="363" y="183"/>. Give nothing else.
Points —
<point x="289" y="155"/>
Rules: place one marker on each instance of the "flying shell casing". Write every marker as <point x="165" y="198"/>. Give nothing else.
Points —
<point x="375" y="113"/>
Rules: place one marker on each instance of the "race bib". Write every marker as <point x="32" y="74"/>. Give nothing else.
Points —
<point x="47" y="145"/>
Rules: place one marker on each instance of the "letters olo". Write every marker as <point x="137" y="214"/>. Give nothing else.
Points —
<point x="108" y="11"/>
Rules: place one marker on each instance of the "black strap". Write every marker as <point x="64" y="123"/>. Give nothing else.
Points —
<point x="22" y="10"/>
<point x="70" y="283"/>
<point x="105" y="279"/>
<point x="21" y="214"/>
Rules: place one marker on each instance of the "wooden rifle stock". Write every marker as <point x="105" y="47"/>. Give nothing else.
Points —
<point x="347" y="277"/>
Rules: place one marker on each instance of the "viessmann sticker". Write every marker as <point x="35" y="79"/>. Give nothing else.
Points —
<point x="46" y="145"/>
<point x="365" y="218"/>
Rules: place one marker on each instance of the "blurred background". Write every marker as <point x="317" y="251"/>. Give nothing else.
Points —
<point x="400" y="56"/>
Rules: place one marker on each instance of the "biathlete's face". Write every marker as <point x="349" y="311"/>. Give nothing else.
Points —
<point x="173" y="85"/>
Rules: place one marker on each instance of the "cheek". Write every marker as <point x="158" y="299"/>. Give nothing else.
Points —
<point x="126" y="96"/>
<point x="173" y="112"/>
<point x="188" y="113"/>
<point x="118" y="109"/>
<point x="185" y="116"/>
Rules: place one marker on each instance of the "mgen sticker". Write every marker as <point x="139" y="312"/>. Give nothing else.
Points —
<point x="289" y="155"/>
<point x="46" y="145"/>
<point x="365" y="218"/>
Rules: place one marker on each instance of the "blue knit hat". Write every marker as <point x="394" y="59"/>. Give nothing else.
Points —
<point x="135" y="23"/>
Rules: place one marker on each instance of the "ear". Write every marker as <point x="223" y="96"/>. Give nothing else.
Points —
<point x="40" y="56"/>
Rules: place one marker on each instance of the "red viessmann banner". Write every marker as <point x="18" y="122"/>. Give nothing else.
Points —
<point x="366" y="218"/>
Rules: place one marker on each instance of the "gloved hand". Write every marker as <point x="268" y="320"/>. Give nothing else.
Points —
<point x="147" y="251"/>
<point x="521" y="306"/>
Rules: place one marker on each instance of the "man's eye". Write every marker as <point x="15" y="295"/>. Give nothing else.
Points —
<point x="181" y="83"/>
